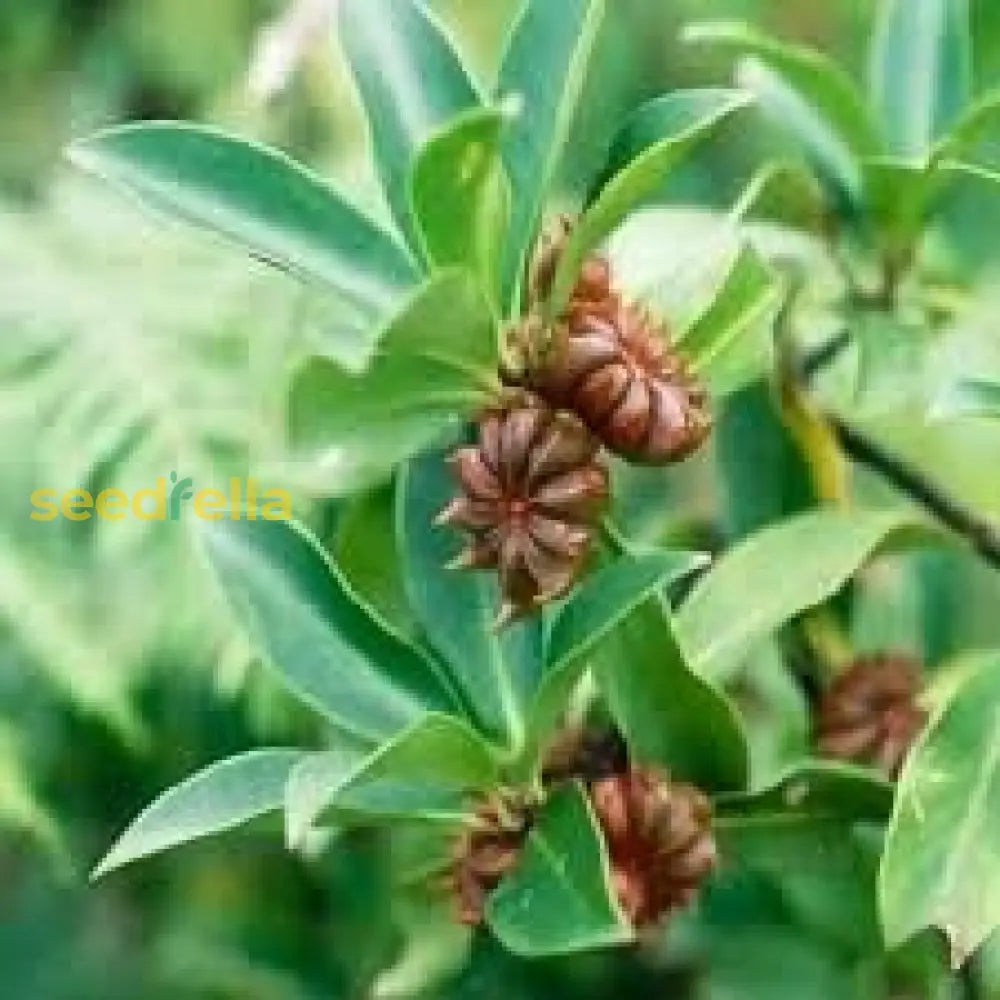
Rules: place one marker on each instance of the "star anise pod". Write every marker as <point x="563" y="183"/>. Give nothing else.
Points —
<point x="659" y="839"/>
<point x="485" y="853"/>
<point x="870" y="714"/>
<point x="532" y="491"/>
<point x="609" y="362"/>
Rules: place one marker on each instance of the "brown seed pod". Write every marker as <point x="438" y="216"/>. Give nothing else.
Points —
<point x="484" y="854"/>
<point x="659" y="841"/>
<point x="870" y="713"/>
<point x="532" y="492"/>
<point x="609" y="362"/>
<point x="585" y="754"/>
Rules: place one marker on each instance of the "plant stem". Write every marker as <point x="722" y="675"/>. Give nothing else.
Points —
<point x="980" y="532"/>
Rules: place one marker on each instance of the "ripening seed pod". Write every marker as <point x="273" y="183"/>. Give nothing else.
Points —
<point x="659" y="839"/>
<point x="531" y="494"/>
<point x="870" y="714"/>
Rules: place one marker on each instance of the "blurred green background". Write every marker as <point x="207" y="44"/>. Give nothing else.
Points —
<point x="128" y="350"/>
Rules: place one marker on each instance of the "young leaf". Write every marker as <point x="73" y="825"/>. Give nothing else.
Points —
<point x="461" y="195"/>
<point x="817" y="78"/>
<point x="819" y="789"/>
<point x="596" y="611"/>
<point x="920" y="71"/>
<point x="828" y="152"/>
<point x="974" y="124"/>
<point x="435" y="363"/>
<point x="771" y="577"/>
<point x="654" y="142"/>
<point x="497" y="672"/>
<point x="748" y="296"/>
<point x="423" y="773"/>
<point x="411" y="82"/>
<point x="542" y="75"/>
<point x="559" y="899"/>
<point x="332" y="651"/>
<point x="221" y="797"/>
<point x="260" y="200"/>
<point x="668" y="714"/>
<point x="940" y="867"/>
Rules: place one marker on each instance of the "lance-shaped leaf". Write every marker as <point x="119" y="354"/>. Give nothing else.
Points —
<point x="260" y="200"/>
<point x="652" y="144"/>
<point x="819" y="789"/>
<point x="600" y="607"/>
<point x="225" y="795"/>
<point x="817" y="78"/>
<point x="331" y="650"/>
<point x="461" y="195"/>
<point x="435" y="363"/>
<point x="497" y="672"/>
<point x="940" y="866"/>
<point x="829" y="154"/>
<point x="668" y="714"/>
<point x="425" y="773"/>
<point x="559" y="899"/>
<point x="411" y="82"/>
<point x="773" y="576"/>
<point x="975" y="123"/>
<point x="920" y="72"/>
<point x="541" y="75"/>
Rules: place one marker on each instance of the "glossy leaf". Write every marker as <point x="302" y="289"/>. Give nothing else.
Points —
<point x="541" y="76"/>
<point x="559" y="899"/>
<point x="461" y="196"/>
<point x="225" y="795"/>
<point x="968" y="398"/>
<point x="939" y="868"/>
<point x="652" y="144"/>
<point x="747" y="296"/>
<point x="426" y="772"/>
<point x="593" y="615"/>
<point x="667" y="713"/>
<point x="411" y="82"/>
<point x="435" y="363"/>
<point x="920" y="70"/>
<point x="771" y="577"/>
<point x="332" y="651"/>
<point x="819" y="789"/>
<point x="496" y="671"/>
<point x="829" y="153"/>
<point x="818" y="79"/>
<point x="259" y="200"/>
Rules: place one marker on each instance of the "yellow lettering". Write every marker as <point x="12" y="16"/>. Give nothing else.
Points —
<point x="76" y="505"/>
<point x="209" y="505"/>
<point x="159" y="497"/>
<point x="279" y="507"/>
<point x="44" y="502"/>
<point x="112" y="505"/>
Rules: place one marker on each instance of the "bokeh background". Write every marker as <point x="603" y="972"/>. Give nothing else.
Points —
<point x="129" y="349"/>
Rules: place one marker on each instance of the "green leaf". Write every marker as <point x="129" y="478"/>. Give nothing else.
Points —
<point x="600" y="607"/>
<point x="461" y="195"/>
<point x="426" y="772"/>
<point x="652" y="144"/>
<point x="497" y="672"/>
<point x="939" y="868"/>
<point x="900" y="195"/>
<point x="435" y="363"/>
<point x="829" y="153"/>
<point x="773" y="576"/>
<point x="818" y="79"/>
<point x="411" y="82"/>
<point x="541" y="76"/>
<point x="667" y="713"/>
<point x="559" y="899"/>
<point x="968" y="398"/>
<point x="920" y="71"/>
<point x="819" y="789"/>
<point x="332" y="651"/>
<point x="260" y="200"/>
<point x="225" y="795"/>
<point x="974" y="124"/>
<point x="747" y="296"/>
